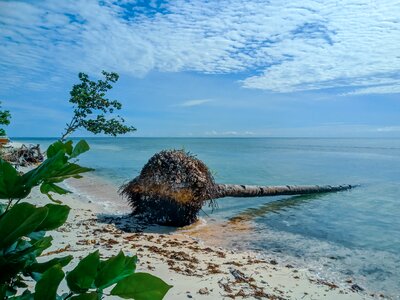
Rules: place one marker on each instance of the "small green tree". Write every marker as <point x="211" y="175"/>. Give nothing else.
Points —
<point x="92" y="108"/>
<point x="5" y="118"/>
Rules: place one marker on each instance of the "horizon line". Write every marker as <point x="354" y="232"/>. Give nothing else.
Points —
<point x="206" y="137"/>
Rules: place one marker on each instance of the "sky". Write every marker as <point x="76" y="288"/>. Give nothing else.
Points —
<point x="196" y="68"/>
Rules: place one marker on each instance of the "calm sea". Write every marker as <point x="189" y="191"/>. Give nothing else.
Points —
<point x="353" y="234"/>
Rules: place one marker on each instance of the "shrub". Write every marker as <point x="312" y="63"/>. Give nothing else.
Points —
<point x="23" y="239"/>
<point x="5" y="118"/>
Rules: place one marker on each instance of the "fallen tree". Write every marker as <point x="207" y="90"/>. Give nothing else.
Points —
<point x="23" y="156"/>
<point x="174" y="185"/>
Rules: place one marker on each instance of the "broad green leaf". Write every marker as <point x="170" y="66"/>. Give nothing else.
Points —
<point x="46" y="170"/>
<point x="42" y="244"/>
<point x="80" y="148"/>
<point x="11" y="186"/>
<point x="55" y="169"/>
<point x="3" y="290"/>
<point x="46" y="188"/>
<point x="46" y="287"/>
<point x="24" y="254"/>
<point x="56" y="216"/>
<point x="19" y="221"/>
<point x="31" y="249"/>
<point x="42" y="267"/>
<point x="114" y="269"/>
<point x="9" y="269"/>
<point x="141" y="286"/>
<point x="89" y="296"/>
<point x="54" y="148"/>
<point x="68" y="147"/>
<point x="52" y="199"/>
<point x="81" y="278"/>
<point x="68" y="170"/>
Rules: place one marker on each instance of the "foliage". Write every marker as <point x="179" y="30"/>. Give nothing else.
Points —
<point x="91" y="107"/>
<point x="58" y="166"/>
<point x="5" y="118"/>
<point x="23" y="239"/>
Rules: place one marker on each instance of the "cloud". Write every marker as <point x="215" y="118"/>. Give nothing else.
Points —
<point x="380" y="89"/>
<point x="191" y="103"/>
<point x="229" y="133"/>
<point x="389" y="129"/>
<point x="286" y="46"/>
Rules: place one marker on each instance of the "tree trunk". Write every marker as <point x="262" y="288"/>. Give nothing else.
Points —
<point x="235" y="190"/>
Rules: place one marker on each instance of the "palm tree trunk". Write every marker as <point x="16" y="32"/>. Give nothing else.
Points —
<point x="235" y="190"/>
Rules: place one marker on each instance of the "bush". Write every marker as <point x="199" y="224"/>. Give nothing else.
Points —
<point x="23" y="228"/>
<point x="5" y="118"/>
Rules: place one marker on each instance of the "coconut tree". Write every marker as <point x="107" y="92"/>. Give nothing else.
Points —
<point x="174" y="185"/>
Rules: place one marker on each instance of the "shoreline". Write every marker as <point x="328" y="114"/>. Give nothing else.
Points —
<point x="196" y="269"/>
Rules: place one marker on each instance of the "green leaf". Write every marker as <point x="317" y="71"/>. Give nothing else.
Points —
<point x="42" y="267"/>
<point x="141" y="286"/>
<point x="46" y="287"/>
<point x="89" y="296"/>
<point x="68" y="170"/>
<point x="114" y="269"/>
<point x="3" y="291"/>
<point x="68" y="147"/>
<point x="24" y="254"/>
<point x="56" y="216"/>
<point x="42" y="245"/>
<point x="81" y="278"/>
<point x="26" y="251"/>
<point x="11" y="186"/>
<point x="54" y="148"/>
<point x="55" y="169"/>
<point x="10" y="269"/>
<point x="46" y="188"/>
<point x="80" y="148"/>
<point x="46" y="170"/>
<point x="19" y="221"/>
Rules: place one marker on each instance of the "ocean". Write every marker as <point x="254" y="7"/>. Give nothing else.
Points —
<point x="352" y="235"/>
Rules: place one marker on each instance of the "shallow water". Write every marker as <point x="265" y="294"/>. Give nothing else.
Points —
<point x="353" y="234"/>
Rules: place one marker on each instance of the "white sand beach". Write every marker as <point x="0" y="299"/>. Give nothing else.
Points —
<point x="195" y="269"/>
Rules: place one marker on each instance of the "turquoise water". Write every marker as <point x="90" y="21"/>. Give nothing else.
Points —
<point x="353" y="234"/>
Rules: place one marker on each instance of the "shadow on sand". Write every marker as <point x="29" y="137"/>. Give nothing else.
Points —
<point x="134" y="224"/>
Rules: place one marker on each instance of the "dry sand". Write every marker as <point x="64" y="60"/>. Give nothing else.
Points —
<point x="196" y="270"/>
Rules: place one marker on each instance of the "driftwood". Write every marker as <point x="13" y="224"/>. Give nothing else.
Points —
<point x="23" y="156"/>
<point x="235" y="190"/>
<point x="174" y="185"/>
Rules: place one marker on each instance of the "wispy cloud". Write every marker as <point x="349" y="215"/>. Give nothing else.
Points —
<point x="393" y="88"/>
<point x="389" y="129"/>
<point x="198" y="102"/>
<point x="286" y="46"/>
<point x="229" y="133"/>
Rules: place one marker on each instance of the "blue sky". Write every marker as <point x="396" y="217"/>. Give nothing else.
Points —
<point x="208" y="68"/>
